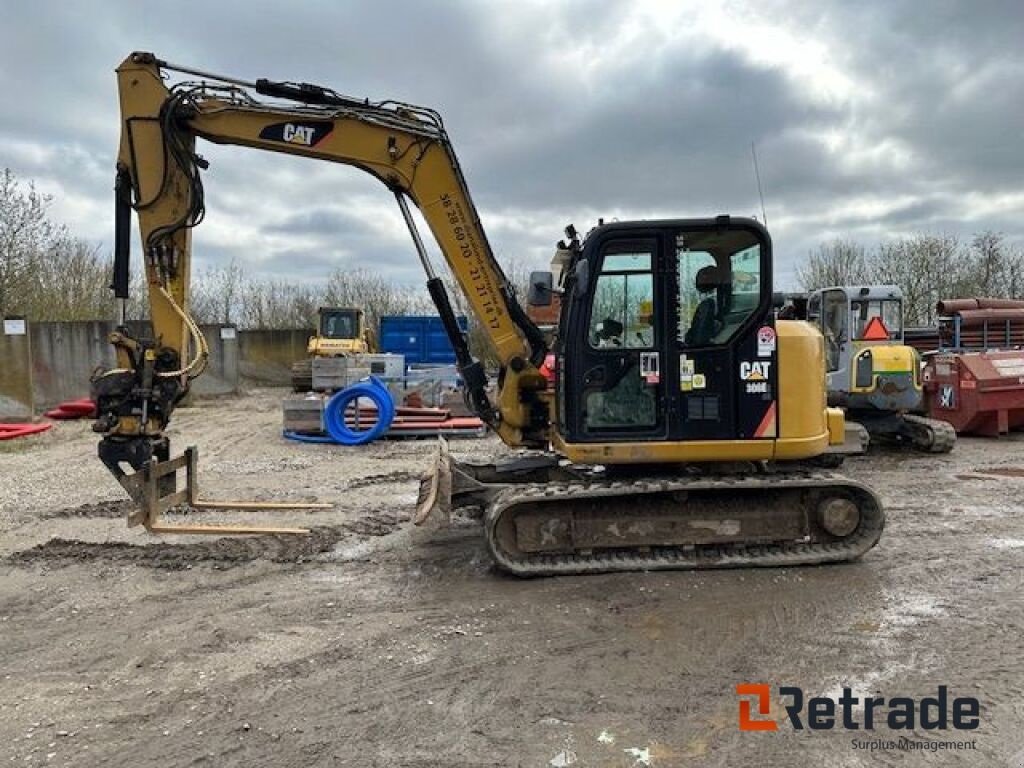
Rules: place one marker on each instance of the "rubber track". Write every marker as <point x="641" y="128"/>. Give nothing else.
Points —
<point x="943" y="434"/>
<point x="683" y="558"/>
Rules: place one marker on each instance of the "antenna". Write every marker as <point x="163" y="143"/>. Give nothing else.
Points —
<point x="757" y="175"/>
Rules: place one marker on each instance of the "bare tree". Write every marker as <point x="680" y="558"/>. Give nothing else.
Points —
<point x="1013" y="281"/>
<point x="927" y="268"/>
<point x="218" y="294"/>
<point x="279" y="304"/>
<point x="68" y="281"/>
<point x="988" y="252"/>
<point x="137" y="307"/>
<point x="839" y="262"/>
<point x="25" y="233"/>
<point x="375" y="295"/>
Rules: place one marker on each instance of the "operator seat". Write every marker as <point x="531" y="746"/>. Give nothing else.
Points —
<point x="706" y="322"/>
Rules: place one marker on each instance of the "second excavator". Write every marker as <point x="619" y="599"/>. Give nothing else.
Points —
<point x="684" y="422"/>
<point x="872" y="374"/>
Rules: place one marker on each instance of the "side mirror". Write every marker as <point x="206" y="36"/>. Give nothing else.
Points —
<point x="539" y="293"/>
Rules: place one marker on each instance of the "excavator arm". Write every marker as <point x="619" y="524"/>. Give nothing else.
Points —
<point x="159" y="177"/>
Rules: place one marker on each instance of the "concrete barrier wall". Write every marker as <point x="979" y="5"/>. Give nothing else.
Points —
<point x="221" y="376"/>
<point x="52" y="362"/>
<point x="267" y="356"/>
<point x="16" y="402"/>
<point x="63" y="358"/>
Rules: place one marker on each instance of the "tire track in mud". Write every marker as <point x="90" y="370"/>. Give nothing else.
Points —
<point x="223" y="552"/>
<point x="108" y="510"/>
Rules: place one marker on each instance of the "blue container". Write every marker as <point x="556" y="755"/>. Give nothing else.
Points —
<point x="421" y="338"/>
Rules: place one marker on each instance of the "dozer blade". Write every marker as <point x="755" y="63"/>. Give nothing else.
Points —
<point x="451" y="484"/>
<point x="436" y="487"/>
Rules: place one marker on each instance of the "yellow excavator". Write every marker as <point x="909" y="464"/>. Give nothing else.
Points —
<point x="684" y="423"/>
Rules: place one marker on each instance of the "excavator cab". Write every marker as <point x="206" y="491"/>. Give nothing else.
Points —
<point x="670" y="369"/>
<point x="868" y="366"/>
<point x="668" y="338"/>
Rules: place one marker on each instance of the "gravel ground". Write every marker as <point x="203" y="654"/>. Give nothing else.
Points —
<point x="373" y="643"/>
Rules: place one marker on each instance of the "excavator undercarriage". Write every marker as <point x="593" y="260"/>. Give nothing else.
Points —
<point x="544" y="518"/>
<point x="908" y="429"/>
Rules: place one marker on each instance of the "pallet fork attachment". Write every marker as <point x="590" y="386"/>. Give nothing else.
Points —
<point x="154" y="490"/>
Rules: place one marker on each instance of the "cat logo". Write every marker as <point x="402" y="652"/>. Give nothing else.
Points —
<point x="756" y="376"/>
<point x="757" y="371"/>
<point x="307" y="133"/>
<point x="298" y="134"/>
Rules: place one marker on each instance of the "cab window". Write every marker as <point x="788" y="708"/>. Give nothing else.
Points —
<point x="888" y="311"/>
<point x="338" y="325"/>
<point x="833" y="326"/>
<point x="622" y="315"/>
<point x="719" y="285"/>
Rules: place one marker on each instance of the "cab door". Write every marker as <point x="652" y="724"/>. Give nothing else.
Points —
<point x="617" y="344"/>
<point x="724" y="361"/>
<point x="831" y="313"/>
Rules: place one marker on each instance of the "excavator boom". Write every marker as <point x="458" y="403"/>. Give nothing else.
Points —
<point x="404" y="146"/>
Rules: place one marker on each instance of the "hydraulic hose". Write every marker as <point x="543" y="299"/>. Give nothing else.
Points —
<point x="11" y="431"/>
<point x="198" y="364"/>
<point x="338" y="431"/>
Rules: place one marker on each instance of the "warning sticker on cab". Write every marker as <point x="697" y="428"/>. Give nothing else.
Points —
<point x="765" y="341"/>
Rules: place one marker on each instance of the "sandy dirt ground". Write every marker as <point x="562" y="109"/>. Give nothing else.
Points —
<point x="374" y="643"/>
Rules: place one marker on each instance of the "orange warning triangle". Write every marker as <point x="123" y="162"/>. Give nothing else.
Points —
<point x="875" y="330"/>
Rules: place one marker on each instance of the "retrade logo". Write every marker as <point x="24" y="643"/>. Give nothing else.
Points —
<point x="307" y="133"/>
<point x="762" y="692"/>
<point x="940" y="712"/>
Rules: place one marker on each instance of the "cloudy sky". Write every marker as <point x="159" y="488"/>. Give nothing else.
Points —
<point x="871" y="119"/>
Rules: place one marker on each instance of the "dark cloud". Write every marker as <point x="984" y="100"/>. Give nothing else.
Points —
<point x="672" y="137"/>
<point x="871" y="119"/>
<point x="322" y="221"/>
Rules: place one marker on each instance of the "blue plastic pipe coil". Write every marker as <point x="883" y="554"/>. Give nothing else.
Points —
<point x="371" y="388"/>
